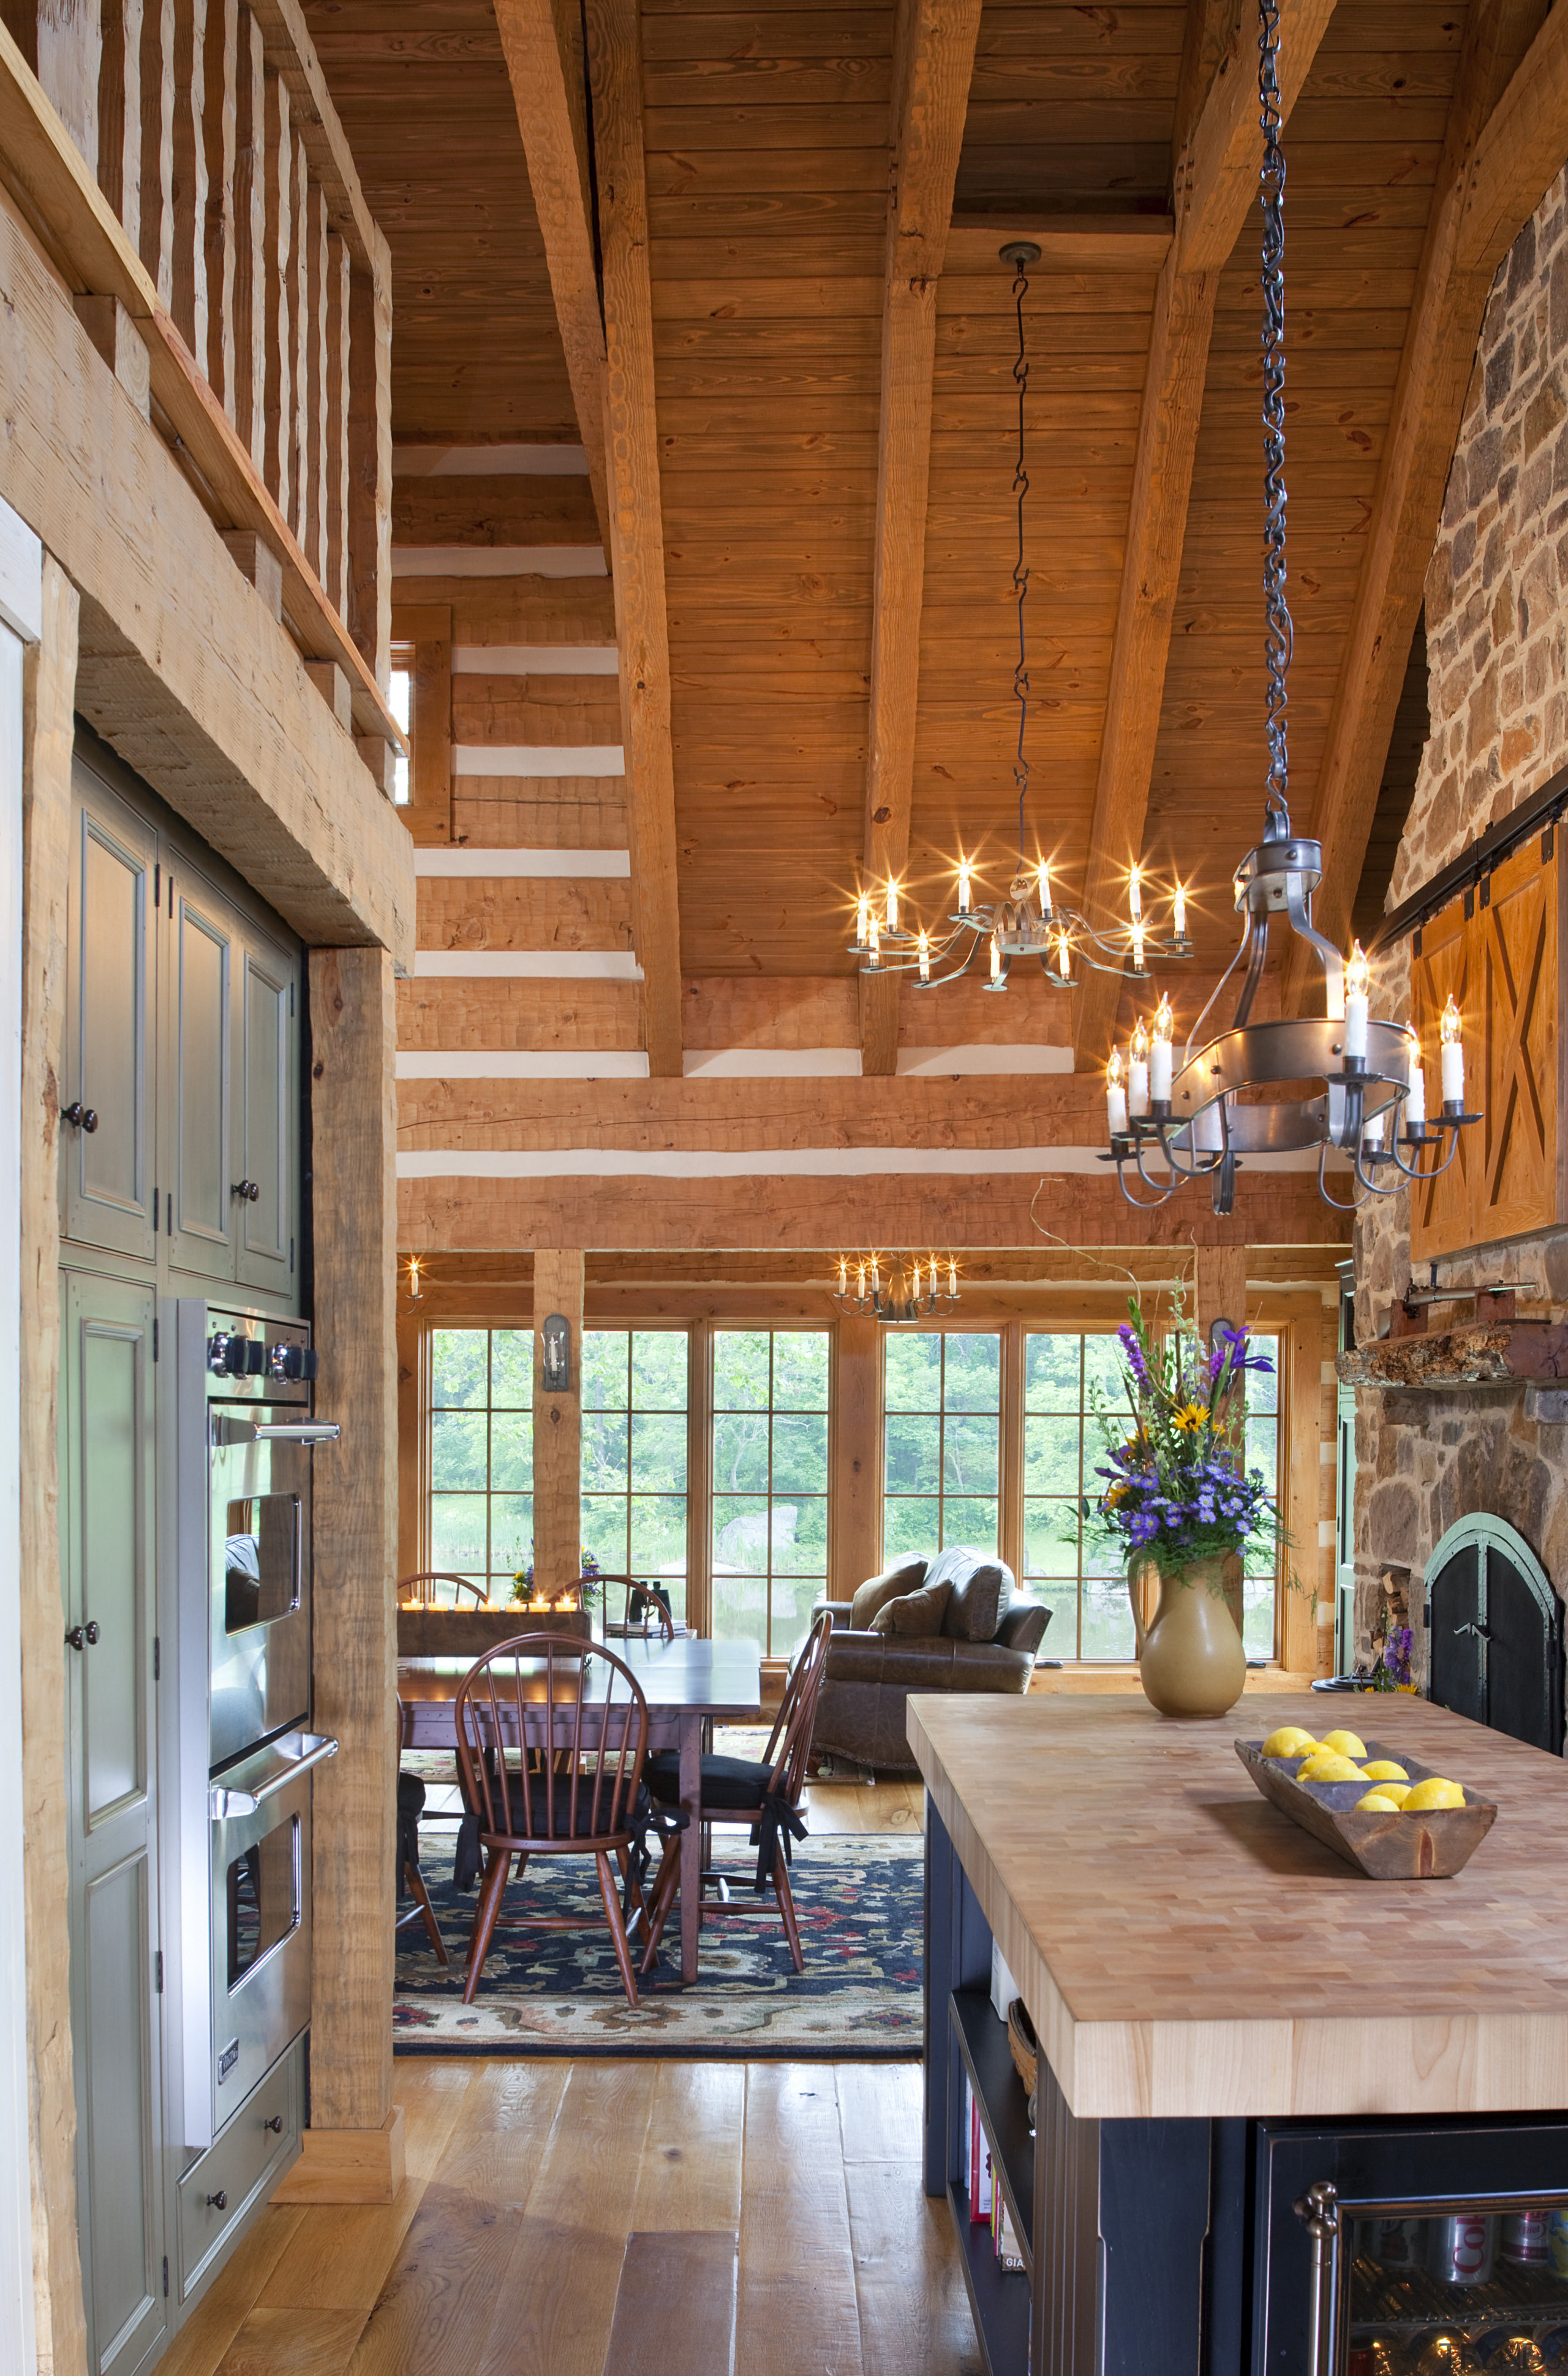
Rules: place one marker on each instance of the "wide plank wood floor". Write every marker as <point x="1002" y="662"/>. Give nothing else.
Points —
<point x="557" y="2216"/>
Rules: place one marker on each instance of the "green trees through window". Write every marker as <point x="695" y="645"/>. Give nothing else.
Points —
<point x="482" y="1452"/>
<point x="941" y="1441"/>
<point x="1083" y="1581"/>
<point x="634" y="1399"/>
<point x="770" y="1483"/>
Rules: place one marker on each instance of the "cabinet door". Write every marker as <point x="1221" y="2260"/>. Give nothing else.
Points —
<point x="204" y="956"/>
<point x="108" y="1195"/>
<point x="267" y="1107"/>
<point x="107" y="1549"/>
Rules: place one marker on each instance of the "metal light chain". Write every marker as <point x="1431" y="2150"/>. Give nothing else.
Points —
<point x="1021" y="574"/>
<point x="1278" y="635"/>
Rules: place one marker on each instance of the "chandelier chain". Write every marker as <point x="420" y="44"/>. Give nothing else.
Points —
<point x="1020" y="572"/>
<point x="1279" y="633"/>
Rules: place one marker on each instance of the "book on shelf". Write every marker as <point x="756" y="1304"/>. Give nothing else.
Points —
<point x="987" y="2204"/>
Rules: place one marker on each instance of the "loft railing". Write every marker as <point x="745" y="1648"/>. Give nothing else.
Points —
<point x="185" y="161"/>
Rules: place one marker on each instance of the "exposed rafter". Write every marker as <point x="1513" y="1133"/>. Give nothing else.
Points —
<point x="1497" y="158"/>
<point x="637" y="539"/>
<point x="1214" y="182"/>
<point x="543" y="42"/>
<point x="934" y="59"/>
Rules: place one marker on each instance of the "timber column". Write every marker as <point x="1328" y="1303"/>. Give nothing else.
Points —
<point x="354" y="2146"/>
<point x="558" y="1429"/>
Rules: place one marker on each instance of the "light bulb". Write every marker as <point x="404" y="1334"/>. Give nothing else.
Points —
<point x="1115" y="1095"/>
<point x="924" y="948"/>
<point x="963" y="886"/>
<point x="415" y="1289"/>
<point x="1453" y="1054"/>
<point x="995" y="958"/>
<point x="892" y="910"/>
<point x="862" y="920"/>
<point x="1160" y="1055"/>
<point x="1179" y="914"/>
<point x="1135" y="892"/>
<point x="1358" y="975"/>
<point x="1045" y="883"/>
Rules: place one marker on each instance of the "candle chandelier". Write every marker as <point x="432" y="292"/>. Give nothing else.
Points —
<point x="1173" y="1124"/>
<point x="897" y="1290"/>
<point x="1030" y="921"/>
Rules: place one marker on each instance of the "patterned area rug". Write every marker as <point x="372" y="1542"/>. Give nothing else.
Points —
<point x="859" y="1903"/>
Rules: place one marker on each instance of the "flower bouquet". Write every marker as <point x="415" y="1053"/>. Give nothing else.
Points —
<point x="523" y="1578"/>
<point x="1177" y="1495"/>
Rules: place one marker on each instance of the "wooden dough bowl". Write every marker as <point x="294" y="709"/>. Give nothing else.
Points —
<point x="1430" y="1847"/>
<point x="469" y="1633"/>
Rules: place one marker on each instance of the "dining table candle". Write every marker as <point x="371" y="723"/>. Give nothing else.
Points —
<point x="1115" y="1095"/>
<point x="1415" y="1098"/>
<point x="1357" y="982"/>
<point x="1452" y="1049"/>
<point x="1160" y="1055"/>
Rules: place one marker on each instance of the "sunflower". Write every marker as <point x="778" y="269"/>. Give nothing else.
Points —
<point x="1189" y="1416"/>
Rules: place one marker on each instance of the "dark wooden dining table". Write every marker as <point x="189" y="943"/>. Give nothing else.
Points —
<point x="688" y="1683"/>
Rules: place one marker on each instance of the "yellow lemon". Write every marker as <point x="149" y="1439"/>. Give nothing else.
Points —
<point x="1383" y="1769"/>
<point x="1398" y="1791"/>
<point x="1327" y="1767"/>
<point x="1289" y="1741"/>
<point x="1345" y="1744"/>
<point x="1377" y="1802"/>
<point x="1434" y="1792"/>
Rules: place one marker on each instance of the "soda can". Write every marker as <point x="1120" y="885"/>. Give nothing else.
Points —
<point x="1527" y="2239"/>
<point x="1557" y="2242"/>
<point x="1460" y="2249"/>
<point x="1398" y="2244"/>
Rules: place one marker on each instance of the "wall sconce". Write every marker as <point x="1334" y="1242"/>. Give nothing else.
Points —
<point x="416" y="1288"/>
<point x="556" y="1372"/>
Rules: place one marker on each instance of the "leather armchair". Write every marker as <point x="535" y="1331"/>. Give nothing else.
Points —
<point x="861" y="1714"/>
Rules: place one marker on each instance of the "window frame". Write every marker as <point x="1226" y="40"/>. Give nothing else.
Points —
<point x="943" y="1330"/>
<point x="428" y="1410"/>
<point x="772" y="1329"/>
<point x="596" y="1326"/>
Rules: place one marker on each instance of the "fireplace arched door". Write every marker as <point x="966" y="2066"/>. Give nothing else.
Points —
<point x="1494" y="1632"/>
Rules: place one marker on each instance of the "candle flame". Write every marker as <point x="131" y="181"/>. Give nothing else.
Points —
<point x="1135" y="892"/>
<point x="1163" y="1019"/>
<point x="862" y="920"/>
<point x="1358" y="973"/>
<point x="1449" y="1029"/>
<point x="963" y="886"/>
<point x="1044" y="881"/>
<point x="1115" y="1070"/>
<point x="1141" y="1042"/>
<point x="1179" y="913"/>
<point x="892" y="910"/>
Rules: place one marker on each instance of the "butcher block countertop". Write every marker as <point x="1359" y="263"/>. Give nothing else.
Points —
<point x="1185" y="1949"/>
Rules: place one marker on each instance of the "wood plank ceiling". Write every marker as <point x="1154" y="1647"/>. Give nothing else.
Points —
<point x="1123" y="137"/>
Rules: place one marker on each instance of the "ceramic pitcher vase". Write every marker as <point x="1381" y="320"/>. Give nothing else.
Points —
<point x="1191" y="1661"/>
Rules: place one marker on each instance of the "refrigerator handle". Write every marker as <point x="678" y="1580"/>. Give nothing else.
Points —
<point x="315" y="1748"/>
<point x="227" y="1431"/>
<point x="1318" y="2211"/>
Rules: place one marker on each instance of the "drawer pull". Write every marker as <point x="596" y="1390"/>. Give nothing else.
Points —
<point x="275" y="2124"/>
<point x="218" y="2202"/>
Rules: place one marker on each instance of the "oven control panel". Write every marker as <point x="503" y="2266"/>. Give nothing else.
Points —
<point x="255" y="1359"/>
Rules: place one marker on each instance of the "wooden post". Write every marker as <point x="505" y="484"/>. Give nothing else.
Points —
<point x="120" y="112"/>
<point x="250" y="229"/>
<point x="413" y="1350"/>
<point x="313" y="524"/>
<point x="189" y="183"/>
<point x="277" y="174"/>
<point x="336" y="464"/>
<point x="49" y="728"/>
<point x="220" y="122"/>
<point x="369" y="618"/>
<point x="557" y="1428"/>
<point x="354" y="2146"/>
<point x="857" y="1456"/>
<point x="157" y="169"/>
<point x="298" y="311"/>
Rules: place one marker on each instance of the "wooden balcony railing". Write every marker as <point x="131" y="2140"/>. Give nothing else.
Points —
<point x="188" y="165"/>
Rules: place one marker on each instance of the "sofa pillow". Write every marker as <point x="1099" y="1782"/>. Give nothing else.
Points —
<point x="901" y="1575"/>
<point x="914" y="1614"/>
<point x="982" y="1591"/>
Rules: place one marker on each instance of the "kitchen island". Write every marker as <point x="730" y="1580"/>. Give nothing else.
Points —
<point x="1230" y="2015"/>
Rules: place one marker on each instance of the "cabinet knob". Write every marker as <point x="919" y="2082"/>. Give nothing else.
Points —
<point x="82" y="1117"/>
<point x="246" y="1189"/>
<point x="218" y="2202"/>
<point x="274" y="2126"/>
<point x="83" y="1636"/>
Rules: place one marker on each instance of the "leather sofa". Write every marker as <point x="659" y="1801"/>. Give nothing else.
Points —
<point x="861" y="1712"/>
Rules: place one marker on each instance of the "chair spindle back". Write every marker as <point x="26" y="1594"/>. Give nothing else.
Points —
<point x="573" y="1713"/>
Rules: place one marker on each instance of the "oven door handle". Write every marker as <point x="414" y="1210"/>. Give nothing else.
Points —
<point x="223" y="1802"/>
<point x="297" y="1431"/>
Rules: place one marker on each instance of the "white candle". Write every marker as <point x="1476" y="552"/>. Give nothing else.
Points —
<point x="963" y="886"/>
<point x="862" y="920"/>
<point x="1415" y="1101"/>
<point x="892" y="910"/>
<point x="995" y="958"/>
<point x="1372" y="1133"/>
<point x="1356" y="985"/>
<point x="1452" y="1056"/>
<point x="924" y="947"/>
<point x="1160" y="1055"/>
<point x="1044" y="889"/>
<point x="874" y="941"/>
<point x="1115" y="1095"/>
<point x="1179" y="914"/>
<point x="1138" y="1070"/>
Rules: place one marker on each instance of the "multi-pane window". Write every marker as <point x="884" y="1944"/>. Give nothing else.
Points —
<point x="634" y="1396"/>
<point x="1261" y="1587"/>
<point x="941" y="1441"/>
<point x="770" y="1483"/>
<point x="481" y="1454"/>
<point x="1082" y="1580"/>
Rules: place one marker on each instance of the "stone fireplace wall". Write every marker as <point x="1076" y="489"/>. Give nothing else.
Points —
<point x="1497" y="641"/>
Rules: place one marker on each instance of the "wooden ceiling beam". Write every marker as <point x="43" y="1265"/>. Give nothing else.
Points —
<point x="1214" y="181"/>
<point x="543" y="42"/>
<point x="933" y="60"/>
<point x="1506" y="137"/>
<point x="636" y="515"/>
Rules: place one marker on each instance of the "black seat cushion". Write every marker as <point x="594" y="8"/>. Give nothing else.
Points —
<point x="727" y="1781"/>
<point x="410" y="1802"/>
<point x="410" y="1795"/>
<point x="587" y="1824"/>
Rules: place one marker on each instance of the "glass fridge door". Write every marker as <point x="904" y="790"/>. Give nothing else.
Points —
<point x="1459" y="2292"/>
